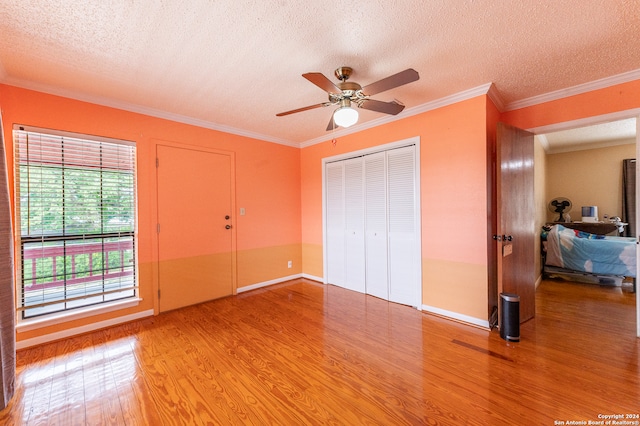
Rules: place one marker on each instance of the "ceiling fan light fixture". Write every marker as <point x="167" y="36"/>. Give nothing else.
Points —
<point x="345" y="116"/>
<point x="344" y="92"/>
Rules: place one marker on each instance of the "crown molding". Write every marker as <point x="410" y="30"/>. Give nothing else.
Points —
<point x="429" y="106"/>
<point x="488" y="89"/>
<point x="495" y="97"/>
<point x="544" y="142"/>
<point x="138" y="109"/>
<point x="484" y="89"/>
<point x="575" y="90"/>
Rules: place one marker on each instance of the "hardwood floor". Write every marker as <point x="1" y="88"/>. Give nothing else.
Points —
<point x="303" y="353"/>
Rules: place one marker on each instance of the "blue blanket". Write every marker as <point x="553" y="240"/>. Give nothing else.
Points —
<point x="597" y="254"/>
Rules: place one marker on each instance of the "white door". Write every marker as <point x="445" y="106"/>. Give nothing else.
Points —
<point x="354" y="224"/>
<point x="335" y="224"/>
<point x="372" y="224"/>
<point x="403" y="256"/>
<point x="376" y="225"/>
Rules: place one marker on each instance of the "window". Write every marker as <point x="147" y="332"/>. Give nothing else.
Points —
<point x="76" y="211"/>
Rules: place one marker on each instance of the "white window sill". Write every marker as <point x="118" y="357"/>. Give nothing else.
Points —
<point x="62" y="317"/>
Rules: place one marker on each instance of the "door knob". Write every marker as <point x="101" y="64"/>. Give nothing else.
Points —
<point x="227" y="227"/>
<point x="227" y="217"/>
<point x="507" y="237"/>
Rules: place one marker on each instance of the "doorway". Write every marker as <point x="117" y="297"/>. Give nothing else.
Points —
<point x="492" y="225"/>
<point x="195" y="226"/>
<point x="583" y="162"/>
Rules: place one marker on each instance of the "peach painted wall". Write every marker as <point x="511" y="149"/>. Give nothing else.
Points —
<point x="453" y="201"/>
<point x="267" y="186"/>
<point x="620" y="97"/>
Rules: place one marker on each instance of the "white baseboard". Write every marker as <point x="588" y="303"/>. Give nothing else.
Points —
<point x="82" y="329"/>
<point x="268" y="283"/>
<point x="313" y="278"/>
<point x="538" y="281"/>
<point x="456" y="316"/>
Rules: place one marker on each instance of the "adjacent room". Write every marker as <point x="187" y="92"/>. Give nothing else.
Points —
<point x="595" y="166"/>
<point x="235" y="212"/>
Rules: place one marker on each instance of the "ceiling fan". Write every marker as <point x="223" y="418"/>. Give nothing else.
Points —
<point x="347" y="93"/>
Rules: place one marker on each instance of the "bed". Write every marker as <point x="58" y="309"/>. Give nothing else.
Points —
<point x="602" y="257"/>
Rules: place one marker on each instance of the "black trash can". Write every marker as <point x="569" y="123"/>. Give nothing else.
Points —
<point x="510" y="317"/>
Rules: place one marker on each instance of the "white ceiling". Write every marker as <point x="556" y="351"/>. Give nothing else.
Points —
<point x="233" y="64"/>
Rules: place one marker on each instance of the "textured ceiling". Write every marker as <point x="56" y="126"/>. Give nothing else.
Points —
<point x="234" y="64"/>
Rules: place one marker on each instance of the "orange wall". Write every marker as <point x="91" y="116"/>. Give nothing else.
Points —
<point x="620" y="97"/>
<point x="453" y="201"/>
<point x="267" y="185"/>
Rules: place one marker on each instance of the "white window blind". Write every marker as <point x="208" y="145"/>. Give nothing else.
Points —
<point x="76" y="211"/>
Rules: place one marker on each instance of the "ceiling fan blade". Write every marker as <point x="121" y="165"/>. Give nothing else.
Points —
<point x="322" y="82"/>
<point x="293" y="111"/>
<point x="332" y="124"/>
<point x="392" y="107"/>
<point x="403" y="77"/>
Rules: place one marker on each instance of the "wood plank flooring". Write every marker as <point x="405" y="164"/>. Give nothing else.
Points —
<point x="302" y="353"/>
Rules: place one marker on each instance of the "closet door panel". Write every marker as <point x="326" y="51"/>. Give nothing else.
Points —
<point x="354" y="224"/>
<point x="403" y="279"/>
<point x="335" y="217"/>
<point x="376" y="225"/>
<point x="372" y="228"/>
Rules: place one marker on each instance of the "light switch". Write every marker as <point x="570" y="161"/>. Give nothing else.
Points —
<point x="242" y="212"/>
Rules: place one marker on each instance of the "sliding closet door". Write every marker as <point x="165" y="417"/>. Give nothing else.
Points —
<point x="376" y="225"/>
<point x="335" y="223"/>
<point x="372" y="228"/>
<point x="354" y="224"/>
<point x="403" y="235"/>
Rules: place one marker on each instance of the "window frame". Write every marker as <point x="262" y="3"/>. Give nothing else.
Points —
<point x="128" y="238"/>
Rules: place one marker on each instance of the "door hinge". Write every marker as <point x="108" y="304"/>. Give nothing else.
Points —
<point x="158" y="228"/>
<point x="157" y="162"/>
<point x="158" y="293"/>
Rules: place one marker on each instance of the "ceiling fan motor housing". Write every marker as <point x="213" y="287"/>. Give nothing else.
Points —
<point x="348" y="85"/>
<point x="343" y="73"/>
<point x="348" y="90"/>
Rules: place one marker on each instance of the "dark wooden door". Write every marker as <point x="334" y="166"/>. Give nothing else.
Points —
<point x="515" y="221"/>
